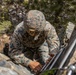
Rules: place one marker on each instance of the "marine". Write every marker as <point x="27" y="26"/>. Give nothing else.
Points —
<point x="32" y="42"/>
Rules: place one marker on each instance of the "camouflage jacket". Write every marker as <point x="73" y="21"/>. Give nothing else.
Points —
<point x="46" y="42"/>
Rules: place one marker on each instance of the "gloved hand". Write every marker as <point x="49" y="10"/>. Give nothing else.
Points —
<point x="51" y="56"/>
<point x="35" y="66"/>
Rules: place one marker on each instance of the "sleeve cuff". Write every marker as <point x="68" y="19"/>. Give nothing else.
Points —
<point x="28" y="62"/>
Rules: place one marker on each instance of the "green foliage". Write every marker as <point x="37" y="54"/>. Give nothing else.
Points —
<point x="57" y="12"/>
<point x="4" y="25"/>
<point x="49" y="72"/>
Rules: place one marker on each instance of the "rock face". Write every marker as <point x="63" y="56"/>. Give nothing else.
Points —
<point x="3" y="57"/>
<point x="7" y="67"/>
<point x="7" y="71"/>
<point x="68" y="33"/>
<point x="69" y="29"/>
<point x="73" y="58"/>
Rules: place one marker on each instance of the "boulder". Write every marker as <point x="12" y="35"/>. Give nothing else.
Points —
<point x="7" y="65"/>
<point x="7" y="71"/>
<point x="3" y="57"/>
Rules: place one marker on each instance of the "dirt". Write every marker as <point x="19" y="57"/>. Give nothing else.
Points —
<point x="3" y="39"/>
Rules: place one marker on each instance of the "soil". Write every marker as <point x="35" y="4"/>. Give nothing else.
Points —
<point x="3" y="39"/>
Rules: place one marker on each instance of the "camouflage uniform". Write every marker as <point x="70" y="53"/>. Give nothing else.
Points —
<point x="23" y="46"/>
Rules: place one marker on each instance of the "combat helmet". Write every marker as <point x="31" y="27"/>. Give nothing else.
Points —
<point x="35" y="20"/>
